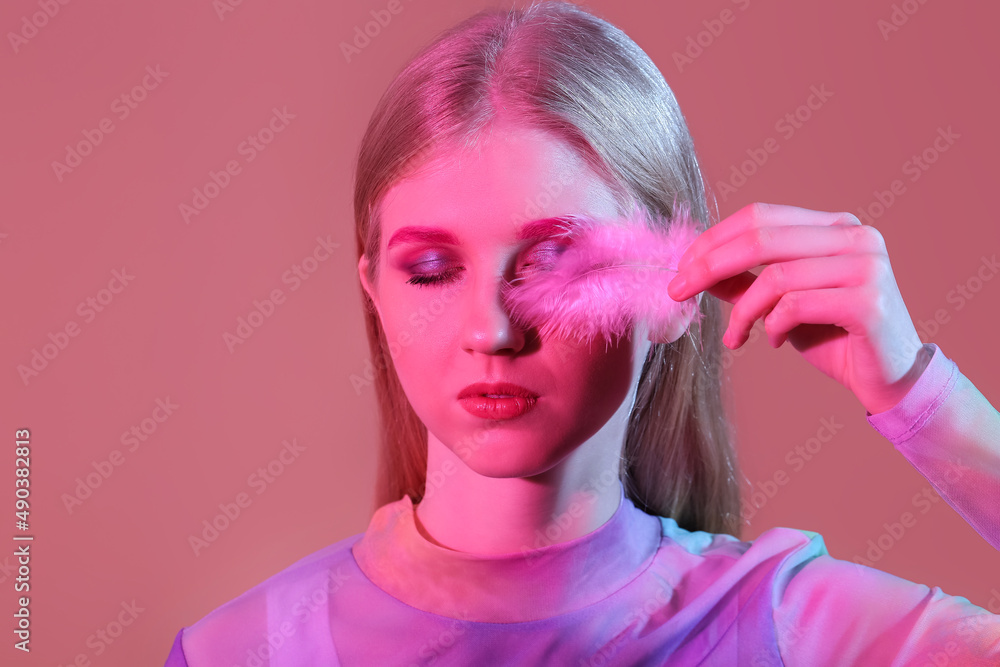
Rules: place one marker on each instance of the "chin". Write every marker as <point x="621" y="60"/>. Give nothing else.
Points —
<point x="510" y="469"/>
<point x="501" y="455"/>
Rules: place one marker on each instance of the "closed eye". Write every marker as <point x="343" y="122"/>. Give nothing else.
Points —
<point x="441" y="278"/>
<point x="543" y="257"/>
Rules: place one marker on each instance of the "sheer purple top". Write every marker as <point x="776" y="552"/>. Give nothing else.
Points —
<point x="638" y="590"/>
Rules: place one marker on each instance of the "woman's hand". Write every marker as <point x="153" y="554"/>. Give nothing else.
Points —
<point x="827" y="287"/>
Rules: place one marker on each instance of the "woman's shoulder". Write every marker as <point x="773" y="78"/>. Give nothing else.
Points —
<point x="284" y="603"/>
<point x="773" y="540"/>
<point x="774" y="550"/>
<point x="322" y="562"/>
<point x="718" y="574"/>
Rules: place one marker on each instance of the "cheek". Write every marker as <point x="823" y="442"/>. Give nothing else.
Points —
<point x="419" y="325"/>
<point x="598" y="378"/>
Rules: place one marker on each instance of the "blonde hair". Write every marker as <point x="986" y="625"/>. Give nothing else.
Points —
<point x="556" y="67"/>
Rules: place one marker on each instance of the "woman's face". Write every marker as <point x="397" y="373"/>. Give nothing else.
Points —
<point x="451" y="235"/>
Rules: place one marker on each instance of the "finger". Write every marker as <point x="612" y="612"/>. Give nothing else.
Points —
<point x="727" y="289"/>
<point x="797" y="276"/>
<point x="759" y="215"/>
<point x="840" y="306"/>
<point x="767" y="245"/>
<point x="732" y="289"/>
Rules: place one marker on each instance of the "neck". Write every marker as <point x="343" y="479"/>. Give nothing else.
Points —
<point x="465" y="511"/>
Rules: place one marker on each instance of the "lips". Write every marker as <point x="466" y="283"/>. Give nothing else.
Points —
<point x="496" y="389"/>
<point x="497" y="400"/>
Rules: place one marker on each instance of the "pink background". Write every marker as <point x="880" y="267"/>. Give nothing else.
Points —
<point x="162" y="335"/>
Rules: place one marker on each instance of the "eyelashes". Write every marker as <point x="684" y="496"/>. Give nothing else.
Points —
<point x="442" y="278"/>
<point x="541" y="260"/>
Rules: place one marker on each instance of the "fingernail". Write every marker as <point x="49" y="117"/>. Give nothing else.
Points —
<point x="677" y="286"/>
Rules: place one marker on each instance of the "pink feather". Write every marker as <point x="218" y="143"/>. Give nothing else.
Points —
<point x="612" y="274"/>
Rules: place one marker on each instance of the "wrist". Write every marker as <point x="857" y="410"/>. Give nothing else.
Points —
<point x="898" y="390"/>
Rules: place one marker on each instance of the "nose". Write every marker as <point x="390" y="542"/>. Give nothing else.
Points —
<point x="488" y="327"/>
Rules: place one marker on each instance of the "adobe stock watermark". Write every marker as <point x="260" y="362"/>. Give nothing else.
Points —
<point x="697" y="44"/>
<point x="7" y="569"/>
<point x="922" y="501"/>
<point x="796" y="458"/>
<point x="730" y="356"/>
<point x="363" y="34"/>
<point x="223" y="7"/>
<point x="898" y="17"/>
<point x="88" y="309"/>
<point x="958" y="297"/>
<point x="294" y="277"/>
<point x="787" y="635"/>
<point x="558" y="524"/>
<point x="547" y="195"/>
<point x="101" y="639"/>
<point x="972" y="632"/>
<point x="786" y="126"/>
<point x="437" y="646"/>
<point x="636" y="618"/>
<point x="464" y="449"/>
<point x="103" y="469"/>
<point x="914" y="167"/>
<point x="259" y="481"/>
<point x="250" y="147"/>
<point x="418" y="320"/>
<point x="303" y="609"/>
<point x="122" y="106"/>
<point x="30" y="26"/>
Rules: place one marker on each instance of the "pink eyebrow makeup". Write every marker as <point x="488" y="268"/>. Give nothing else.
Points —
<point x="535" y="229"/>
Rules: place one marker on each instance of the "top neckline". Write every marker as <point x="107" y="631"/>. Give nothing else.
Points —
<point x="531" y="584"/>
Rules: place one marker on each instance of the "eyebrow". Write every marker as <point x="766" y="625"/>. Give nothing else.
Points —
<point x="528" y="231"/>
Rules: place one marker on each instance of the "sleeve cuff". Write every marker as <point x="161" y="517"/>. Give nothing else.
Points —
<point x="931" y="389"/>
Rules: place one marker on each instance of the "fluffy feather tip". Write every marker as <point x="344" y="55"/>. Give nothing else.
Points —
<point x="611" y="274"/>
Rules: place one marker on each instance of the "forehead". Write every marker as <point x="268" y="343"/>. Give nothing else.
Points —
<point x="515" y="175"/>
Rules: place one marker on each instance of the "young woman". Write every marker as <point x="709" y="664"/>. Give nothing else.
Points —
<point x="546" y="501"/>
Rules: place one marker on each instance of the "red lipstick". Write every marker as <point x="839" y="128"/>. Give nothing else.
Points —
<point x="497" y="400"/>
